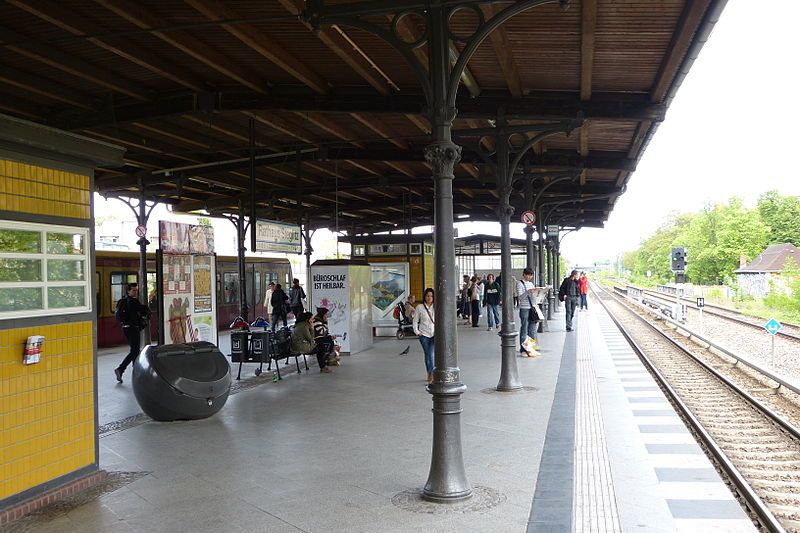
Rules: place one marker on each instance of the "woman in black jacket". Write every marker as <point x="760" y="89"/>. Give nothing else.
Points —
<point x="279" y="301"/>
<point x="492" y="300"/>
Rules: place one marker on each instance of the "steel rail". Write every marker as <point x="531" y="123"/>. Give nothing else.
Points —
<point x="754" y="502"/>
<point x="723" y="316"/>
<point x="777" y="378"/>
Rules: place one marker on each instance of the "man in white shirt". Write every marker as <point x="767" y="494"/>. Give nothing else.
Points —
<point x="526" y="292"/>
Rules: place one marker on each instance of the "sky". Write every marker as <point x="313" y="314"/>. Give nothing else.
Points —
<point x="731" y="130"/>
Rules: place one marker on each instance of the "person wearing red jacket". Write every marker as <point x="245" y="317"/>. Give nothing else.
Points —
<point x="583" y="283"/>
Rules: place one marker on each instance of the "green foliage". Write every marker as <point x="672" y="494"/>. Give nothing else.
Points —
<point x="782" y="215"/>
<point x="786" y="300"/>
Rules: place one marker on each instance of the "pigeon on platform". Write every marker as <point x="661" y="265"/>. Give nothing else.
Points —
<point x="405" y="352"/>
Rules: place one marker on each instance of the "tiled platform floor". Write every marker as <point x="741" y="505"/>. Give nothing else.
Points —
<point x="322" y="453"/>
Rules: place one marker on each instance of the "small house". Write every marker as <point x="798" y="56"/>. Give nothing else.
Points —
<point x="765" y="271"/>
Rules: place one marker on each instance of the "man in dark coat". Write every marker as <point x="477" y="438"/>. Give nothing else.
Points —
<point x="570" y="293"/>
<point x="133" y="316"/>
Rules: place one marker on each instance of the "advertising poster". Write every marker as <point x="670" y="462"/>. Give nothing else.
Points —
<point x="201" y="240"/>
<point x="330" y="290"/>
<point x="202" y="322"/>
<point x="173" y="237"/>
<point x="272" y="236"/>
<point x="177" y="276"/>
<point x="389" y="287"/>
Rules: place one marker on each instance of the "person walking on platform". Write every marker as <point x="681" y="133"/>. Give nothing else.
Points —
<point x="296" y="297"/>
<point x="475" y="300"/>
<point x="481" y="293"/>
<point x="525" y="294"/>
<point x="423" y="324"/>
<point x="133" y="315"/>
<point x="466" y="306"/>
<point x="492" y="293"/>
<point x="279" y="302"/>
<point x="583" y="283"/>
<point x="569" y="293"/>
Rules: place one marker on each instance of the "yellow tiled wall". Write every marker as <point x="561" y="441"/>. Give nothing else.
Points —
<point x="32" y="189"/>
<point x="47" y="408"/>
<point x="47" y="425"/>
<point x="430" y="272"/>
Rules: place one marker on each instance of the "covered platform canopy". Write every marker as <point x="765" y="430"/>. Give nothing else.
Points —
<point x="338" y="117"/>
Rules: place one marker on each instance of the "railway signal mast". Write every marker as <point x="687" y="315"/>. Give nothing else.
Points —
<point x="679" y="269"/>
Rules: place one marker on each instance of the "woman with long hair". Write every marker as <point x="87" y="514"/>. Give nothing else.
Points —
<point x="423" y="323"/>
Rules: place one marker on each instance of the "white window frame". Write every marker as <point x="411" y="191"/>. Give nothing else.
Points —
<point x="44" y="229"/>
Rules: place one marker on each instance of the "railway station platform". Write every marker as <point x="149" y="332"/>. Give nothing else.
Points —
<point x="591" y="444"/>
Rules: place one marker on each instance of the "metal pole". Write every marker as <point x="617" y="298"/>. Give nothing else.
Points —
<point x="309" y="251"/>
<point x="143" y="242"/>
<point x="509" y="375"/>
<point x="243" y="308"/>
<point x="447" y="479"/>
<point x="530" y="261"/>
<point x="773" y="352"/>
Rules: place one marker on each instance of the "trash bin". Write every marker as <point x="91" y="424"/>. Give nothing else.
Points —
<point x="259" y="345"/>
<point x="240" y="347"/>
<point x="181" y="381"/>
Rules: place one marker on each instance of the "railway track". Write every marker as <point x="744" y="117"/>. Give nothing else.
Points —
<point x="727" y="314"/>
<point x="748" y="426"/>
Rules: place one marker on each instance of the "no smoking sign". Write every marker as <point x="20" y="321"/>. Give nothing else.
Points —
<point x="528" y="217"/>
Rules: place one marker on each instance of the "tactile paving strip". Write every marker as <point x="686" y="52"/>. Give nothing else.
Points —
<point x="595" y="507"/>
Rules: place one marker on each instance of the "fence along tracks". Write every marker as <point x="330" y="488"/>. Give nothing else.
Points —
<point x="748" y="429"/>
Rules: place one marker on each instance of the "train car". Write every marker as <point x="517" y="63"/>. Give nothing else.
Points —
<point x="116" y="269"/>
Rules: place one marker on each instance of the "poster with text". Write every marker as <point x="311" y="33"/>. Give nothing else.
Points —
<point x="202" y="324"/>
<point x="330" y="290"/>
<point x="388" y="288"/>
<point x="177" y="287"/>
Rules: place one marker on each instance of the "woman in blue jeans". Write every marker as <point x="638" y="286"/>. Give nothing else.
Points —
<point x="423" y="323"/>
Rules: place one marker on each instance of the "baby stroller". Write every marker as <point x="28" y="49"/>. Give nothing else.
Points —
<point x="404" y="326"/>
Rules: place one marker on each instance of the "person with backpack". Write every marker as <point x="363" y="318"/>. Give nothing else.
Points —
<point x="296" y="297"/>
<point x="279" y="303"/>
<point x="133" y="316"/>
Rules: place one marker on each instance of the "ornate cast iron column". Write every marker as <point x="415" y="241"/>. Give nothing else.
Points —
<point x="447" y="480"/>
<point x="530" y="253"/>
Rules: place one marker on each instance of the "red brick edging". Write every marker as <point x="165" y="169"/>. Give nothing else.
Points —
<point x="21" y="509"/>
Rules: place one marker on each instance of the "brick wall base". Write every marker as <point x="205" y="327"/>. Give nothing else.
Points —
<point x="66" y="490"/>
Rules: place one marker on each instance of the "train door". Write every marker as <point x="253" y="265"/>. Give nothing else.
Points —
<point x="253" y="283"/>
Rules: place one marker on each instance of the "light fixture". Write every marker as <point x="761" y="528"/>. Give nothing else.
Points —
<point x="462" y="216"/>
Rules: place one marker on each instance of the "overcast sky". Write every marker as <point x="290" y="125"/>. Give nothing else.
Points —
<point x="731" y="130"/>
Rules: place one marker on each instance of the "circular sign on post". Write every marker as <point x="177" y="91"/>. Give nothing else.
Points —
<point x="528" y="217"/>
<point x="141" y="231"/>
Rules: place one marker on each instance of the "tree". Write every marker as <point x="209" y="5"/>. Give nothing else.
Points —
<point x="782" y="215"/>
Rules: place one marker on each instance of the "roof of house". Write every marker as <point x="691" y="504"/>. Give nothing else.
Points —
<point x="773" y="259"/>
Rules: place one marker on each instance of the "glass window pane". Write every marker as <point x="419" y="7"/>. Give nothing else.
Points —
<point x="20" y="270"/>
<point x="65" y="243"/>
<point x="60" y="297"/>
<point x="64" y="270"/>
<point x="20" y="241"/>
<point x="18" y="299"/>
<point x="116" y="279"/>
<point x="230" y="283"/>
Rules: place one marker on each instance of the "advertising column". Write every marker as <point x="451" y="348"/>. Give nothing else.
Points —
<point x="330" y="290"/>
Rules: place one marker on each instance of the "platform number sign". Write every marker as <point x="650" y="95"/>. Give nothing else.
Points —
<point x="701" y="302"/>
<point x="773" y="326"/>
<point x="528" y="218"/>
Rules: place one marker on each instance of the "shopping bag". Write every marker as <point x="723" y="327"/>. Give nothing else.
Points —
<point x="531" y="347"/>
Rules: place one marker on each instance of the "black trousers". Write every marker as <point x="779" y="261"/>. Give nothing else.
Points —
<point x="277" y="315"/>
<point x="296" y="310"/>
<point x="324" y="349"/>
<point x="134" y="341"/>
<point x="476" y="312"/>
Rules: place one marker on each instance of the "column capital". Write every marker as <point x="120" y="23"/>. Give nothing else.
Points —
<point x="444" y="156"/>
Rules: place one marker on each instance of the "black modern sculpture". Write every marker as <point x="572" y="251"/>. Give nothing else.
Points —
<point x="181" y="381"/>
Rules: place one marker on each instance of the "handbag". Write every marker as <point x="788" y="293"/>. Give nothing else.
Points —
<point x="533" y="314"/>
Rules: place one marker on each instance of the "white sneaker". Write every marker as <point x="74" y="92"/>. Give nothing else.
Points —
<point x="489" y="328"/>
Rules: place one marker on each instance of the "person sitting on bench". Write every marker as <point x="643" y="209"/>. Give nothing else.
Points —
<point x="303" y="336"/>
<point x="323" y="339"/>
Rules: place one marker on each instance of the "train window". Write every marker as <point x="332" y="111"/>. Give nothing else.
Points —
<point x="119" y="282"/>
<point x="270" y="276"/>
<point x="230" y="287"/>
<point x="253" y="281"/>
